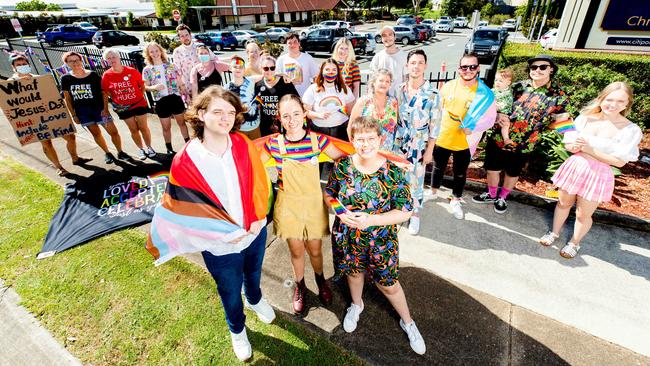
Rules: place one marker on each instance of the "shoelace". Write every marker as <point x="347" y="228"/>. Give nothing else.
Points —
<point x="411" y="332"/>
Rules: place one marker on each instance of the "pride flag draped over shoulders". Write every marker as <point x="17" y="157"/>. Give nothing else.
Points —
<point x="190" y="217"/>
<point x="480" y="116"/>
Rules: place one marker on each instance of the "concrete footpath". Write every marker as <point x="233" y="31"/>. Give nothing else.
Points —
<point x="481" y="290"/>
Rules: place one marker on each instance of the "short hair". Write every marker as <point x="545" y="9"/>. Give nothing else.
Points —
<point x="181" y="27"/>
<point x="505" y="73"/>
<point x="364" y="124"/>
<point x="375" y="76"/>
<point x="147" y="55"/>
<point x="468" y="55"/>
<point x="65" y="56"/>
<point x="291" y="35"/>
<point x="417" y="51"/>
<point x="108" y="51"/>
<point x="268" y="58"/>
<point x="386" y="27"/>
<point x="201" y="103"/>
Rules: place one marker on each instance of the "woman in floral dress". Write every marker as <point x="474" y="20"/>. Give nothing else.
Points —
<point x="370" y="196"/>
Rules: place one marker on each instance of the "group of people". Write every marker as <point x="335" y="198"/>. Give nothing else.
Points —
<point x="300" y="112"/>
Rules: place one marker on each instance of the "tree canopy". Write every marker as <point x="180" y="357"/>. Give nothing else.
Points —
<point x="37" y="5"/>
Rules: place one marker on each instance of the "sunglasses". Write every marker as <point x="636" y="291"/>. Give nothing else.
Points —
<point x="541" y="67"/>
<point x="468" y="67"/>
<point x="268" y="68"/>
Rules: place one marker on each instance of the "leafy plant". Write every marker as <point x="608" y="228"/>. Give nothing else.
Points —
<point x="164" y="41"/>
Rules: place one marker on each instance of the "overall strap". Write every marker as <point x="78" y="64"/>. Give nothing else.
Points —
<point x="281" y="146"/>
<point x="314" y="142"/>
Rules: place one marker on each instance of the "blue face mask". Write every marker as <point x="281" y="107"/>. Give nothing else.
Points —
<point x="204" y="58"/>
<point x="24" y="69"/>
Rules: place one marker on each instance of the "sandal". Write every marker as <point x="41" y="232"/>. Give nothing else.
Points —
<point x="548" y="239"/>
<point x="570" y="250"/>
<point x="62" y="172"/>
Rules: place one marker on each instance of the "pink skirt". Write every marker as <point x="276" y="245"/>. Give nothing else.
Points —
<point x="590" y="179"/>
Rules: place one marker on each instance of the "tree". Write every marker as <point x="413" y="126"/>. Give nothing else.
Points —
<point x="37" y="5"/>
<point x="164" y="8"/>
<point x="451" y="8"/>
<point x="129" y="19"/>
<point x="488" y="10"/>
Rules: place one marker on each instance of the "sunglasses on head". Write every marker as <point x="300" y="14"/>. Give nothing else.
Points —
<point x="541" y="67"/>
<point x="268" y="68"/>
<point x="468" y="67"/>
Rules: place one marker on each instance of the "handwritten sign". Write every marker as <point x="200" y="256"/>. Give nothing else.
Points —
<point x="35" y="109"/>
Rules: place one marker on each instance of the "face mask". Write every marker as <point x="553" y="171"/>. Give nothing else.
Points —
<point x="24" y="69"/>
<point x="204" y="58"/>
<point x="330" y="78"/>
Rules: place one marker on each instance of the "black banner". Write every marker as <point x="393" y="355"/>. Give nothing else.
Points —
<point x="628" y="15"/>
<point x="105" y="202"/>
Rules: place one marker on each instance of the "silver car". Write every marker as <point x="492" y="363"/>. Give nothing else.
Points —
<point x="371" y="45"/>
<point x="403" y="33"/>
<point x="445" y="26"/>
<point x="277" y="34"/>
<point x="245" y="36"/>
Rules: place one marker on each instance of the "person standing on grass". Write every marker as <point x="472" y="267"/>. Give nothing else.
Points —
<point x="268" y="92"/>
<point x="538" y="103"/>
<point x="297" y="67"/>
<point x="370" y="196"/>
<point x="161" y="79"/>
<point x="82" y="92"/>
<point x="185" y="57"/>
<point x="207" y="72"/>
<point x="348" y="66"/>
<point x="391" y="58"/>
<point x="419" y="118"/>
<point x="124" y="85"/>
<point x="245" y="87"/>
<point x="604" y="137"/>
<point x="300" y="217"/>
<point x="23" y="70"/>
<point x="216" y="203"/>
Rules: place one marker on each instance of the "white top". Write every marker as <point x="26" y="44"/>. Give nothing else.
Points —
<point x="395" y="63"/>
<point x="220" y="172"/>
<point x="329" y="100"/>
<point x="624" y="145"/>
<point x="160" y="70"/>
<point x="302" y="70"/>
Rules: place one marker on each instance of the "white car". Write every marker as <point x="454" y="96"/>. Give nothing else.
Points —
<point x="548" y="39"/>
<point x="431" y="22"/>
<point x="336" y="24"/>
<point x="460" y="22"/>
<point x="87" y="26"/>
<point x="305" y="32"/>
<point x="510" y="24"/>
<point x="444" y="26"/>
<point x="483" y="23"/>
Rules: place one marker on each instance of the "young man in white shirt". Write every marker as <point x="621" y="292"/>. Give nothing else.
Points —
<point x="391" y="58"/>
<point x="297" y="67"/>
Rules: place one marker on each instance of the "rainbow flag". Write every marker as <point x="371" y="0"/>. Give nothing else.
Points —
<point x="259" y="100"/>
<point x="337" y="206"/>
<point x="563" y="126"/>
<point x="454" y="117"/>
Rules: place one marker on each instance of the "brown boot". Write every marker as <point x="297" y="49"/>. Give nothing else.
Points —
<point x="324" y="291"/>
<point x="299" y="297"/>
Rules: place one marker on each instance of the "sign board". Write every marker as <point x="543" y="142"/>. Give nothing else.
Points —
<point x="176" y="14"/>
<point x="35" y="109"/>
<point x="16" y="24"/>
<point x="626" y="15"/>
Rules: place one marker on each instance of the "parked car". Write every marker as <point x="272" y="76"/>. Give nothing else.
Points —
<point x="460" y="22"/>
<point x="548" y="39"/>
<point x="485" y="42"/>
<point x="403" y="33"/>
<point x="431" y="22"/>
<point x="245" y="36"/>
<point x="109" y="38"/>
<point x="204" y="39"/>
<point x="87" y="26"/>
<point x="223" y="39"/>
<point x="510" y="24"/>
<point x="60" y="34"/>
<point x="325" y="39"/>
<point x="304" y="32"/>
<point x="406" y="20"/>
<point x="444" y="25"/>
<point x="445" y="17"/>
<point x="428" y="30"/>
<point x="371" y="45"/>
<point x="483" y="23"/>
<point x="277" y="34"/>
<point x="335" y="24"/>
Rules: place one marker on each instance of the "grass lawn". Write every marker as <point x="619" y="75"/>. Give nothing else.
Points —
<point x="110" y="306"/>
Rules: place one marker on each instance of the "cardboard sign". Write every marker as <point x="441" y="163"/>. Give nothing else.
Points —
<point x="35" y="109"/>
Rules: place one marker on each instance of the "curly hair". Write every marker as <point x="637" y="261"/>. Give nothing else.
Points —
<point x="375" y="76"/>
<point x="203" y="100"/>
<point x="147" y="55"/>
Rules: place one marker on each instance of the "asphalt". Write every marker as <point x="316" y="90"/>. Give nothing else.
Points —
<point x="481" y="290"/>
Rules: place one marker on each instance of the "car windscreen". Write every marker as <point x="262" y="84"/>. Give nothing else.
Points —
<point x="486" y="35"/>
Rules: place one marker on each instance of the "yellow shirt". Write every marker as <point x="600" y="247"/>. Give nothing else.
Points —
<point x="456" y="99"/>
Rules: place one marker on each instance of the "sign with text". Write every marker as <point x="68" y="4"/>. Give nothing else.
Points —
<point x="16" y="24"/>
<point x="626" y="15"/>
<point x="35" y="109"/>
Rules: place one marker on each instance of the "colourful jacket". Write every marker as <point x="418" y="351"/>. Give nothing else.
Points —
<point x="151" y="75"/>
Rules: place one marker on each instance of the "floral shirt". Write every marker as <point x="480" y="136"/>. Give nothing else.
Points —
<point x="153" y="75"/>
<point x="387" y="118"/>
<point x="185" y="57"/>
<point x="533" y="110"/>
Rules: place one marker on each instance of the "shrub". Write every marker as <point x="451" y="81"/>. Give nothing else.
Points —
<point x="164" y="41"/>
<point x="498" y="19"/>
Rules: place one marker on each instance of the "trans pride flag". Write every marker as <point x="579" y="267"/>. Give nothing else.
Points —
<point x="190" y="217"/>
<point x="480" y="116"/>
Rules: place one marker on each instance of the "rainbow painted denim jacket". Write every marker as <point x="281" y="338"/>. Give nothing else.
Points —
<point x="152" y="75"/>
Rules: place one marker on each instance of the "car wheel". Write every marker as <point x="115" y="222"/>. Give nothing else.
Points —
<point x="233" y="48"/>
<point x="405" y="41"/>
<point x="378" y="39"/>
<point x="217" y="47"/>
<point x="58" y="42"/>
<point x="303" y="34"/>
<point x="281" y="40"/>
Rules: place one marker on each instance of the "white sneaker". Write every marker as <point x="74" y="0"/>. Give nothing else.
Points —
<point x="241" y="345"/>
<point x="151" y="153"/>
<point x="456" y="210"/>
<point x="142" y="154"/>
<point x="352" y="317"/>
<point x="414" y="225"/>
<point x="263" y="310"/>
<point x="415" y="338"/>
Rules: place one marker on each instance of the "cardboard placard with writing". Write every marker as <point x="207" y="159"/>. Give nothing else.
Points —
<point x="35" y="109"/>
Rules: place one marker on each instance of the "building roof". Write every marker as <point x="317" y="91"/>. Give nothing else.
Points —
<point x="266" y="6"/>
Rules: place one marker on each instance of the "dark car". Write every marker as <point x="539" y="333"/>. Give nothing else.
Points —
<point x="110" y="38"/>
<point x="58" y="35"/>
<point x="205" y="39"/>
<point x="426" y="31"/>
<point x="223" y="40"/>
<point x="325" y="39"/>
<point x="485" y="42"/>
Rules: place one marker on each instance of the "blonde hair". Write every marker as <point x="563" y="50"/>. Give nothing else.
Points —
<point x="375" y="76"/>
<point x="594" y="106"/>
<point x="351" y="56"/>
<point x="147" y="55"/>
<point x="364" y="124"/>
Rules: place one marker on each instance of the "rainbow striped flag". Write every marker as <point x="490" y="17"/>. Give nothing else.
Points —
<point x="454" y="117"/>
<point x="337" y="206"/>
<point x="259" y="100"/>
<point x="564" y="126"/>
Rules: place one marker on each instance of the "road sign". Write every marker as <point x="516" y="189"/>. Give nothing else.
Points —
<point x="176" y="14"/>
<point x="17" y="27"/>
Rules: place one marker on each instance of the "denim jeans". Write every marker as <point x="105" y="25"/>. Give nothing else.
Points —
<point x="230" y="271"/>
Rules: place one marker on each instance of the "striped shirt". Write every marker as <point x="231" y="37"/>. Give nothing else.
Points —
<point x="299" y="150"/>
<point x="351" y="74"/>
